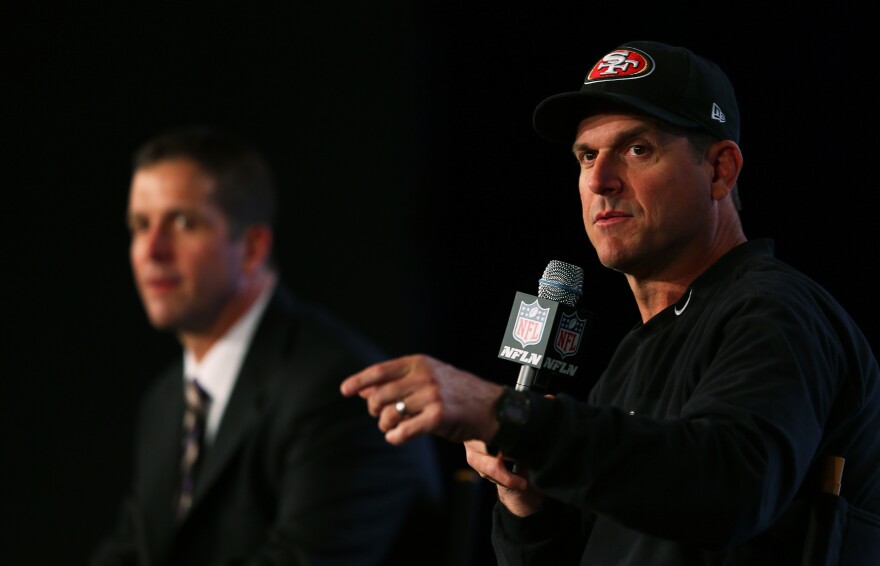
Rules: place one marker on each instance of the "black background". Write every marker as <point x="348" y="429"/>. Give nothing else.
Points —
<point x="416" y="197"/>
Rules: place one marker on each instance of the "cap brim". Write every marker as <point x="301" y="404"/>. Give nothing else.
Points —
<point x="557" y="117"/>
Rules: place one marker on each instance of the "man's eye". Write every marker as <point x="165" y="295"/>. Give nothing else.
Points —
<point x="586" y="156"/>
<point x="183" y="222"/>
<point x="136" y="225"/>
<point x="638" y="149"/>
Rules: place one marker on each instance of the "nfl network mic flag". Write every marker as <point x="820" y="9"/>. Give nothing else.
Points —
<point x="546" y="335"/>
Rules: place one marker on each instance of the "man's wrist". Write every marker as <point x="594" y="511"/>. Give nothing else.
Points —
<point x="520" y="503"/>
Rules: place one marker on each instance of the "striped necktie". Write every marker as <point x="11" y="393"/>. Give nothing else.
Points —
<point x="194" y="416"/>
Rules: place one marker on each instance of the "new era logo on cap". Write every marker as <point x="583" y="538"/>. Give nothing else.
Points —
<point x="664" y="81"/>
<point x="717" y="114"/>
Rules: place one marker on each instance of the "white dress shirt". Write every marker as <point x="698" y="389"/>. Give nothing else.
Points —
<point x="219" y="368"/>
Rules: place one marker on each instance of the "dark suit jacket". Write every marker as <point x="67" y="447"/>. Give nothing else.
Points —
<point x="297" y="473"/>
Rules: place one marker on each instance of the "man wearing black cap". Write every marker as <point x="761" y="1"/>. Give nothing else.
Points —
<point x="718" y="431"/>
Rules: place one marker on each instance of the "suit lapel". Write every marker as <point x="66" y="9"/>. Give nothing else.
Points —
<point x="160" y="454"/>
<point x="248" y="395"/>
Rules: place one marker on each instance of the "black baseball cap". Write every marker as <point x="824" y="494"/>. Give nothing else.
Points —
<point x="664" y="81"/>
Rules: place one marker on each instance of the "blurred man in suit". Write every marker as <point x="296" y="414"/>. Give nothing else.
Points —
<point x="286" y="471"/>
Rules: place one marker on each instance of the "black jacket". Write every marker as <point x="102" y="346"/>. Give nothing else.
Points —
<point x="297" y="473"/>
<point x="702" y="440"/>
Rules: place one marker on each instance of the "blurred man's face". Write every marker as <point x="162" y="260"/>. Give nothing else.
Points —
<point x="185" y="264"/>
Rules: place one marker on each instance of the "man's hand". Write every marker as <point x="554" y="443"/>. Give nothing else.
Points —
<point x="514" y="490"/>
<point x="415" y="395"/>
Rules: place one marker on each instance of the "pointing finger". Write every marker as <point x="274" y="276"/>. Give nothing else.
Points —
<point x="370" y="377"/>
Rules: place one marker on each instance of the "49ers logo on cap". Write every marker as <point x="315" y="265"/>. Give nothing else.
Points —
<point x="621" y="64"/>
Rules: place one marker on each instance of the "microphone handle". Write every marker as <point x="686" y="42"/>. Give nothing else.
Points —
<point x="530" y="379"/>
<point x="526" y="379"/>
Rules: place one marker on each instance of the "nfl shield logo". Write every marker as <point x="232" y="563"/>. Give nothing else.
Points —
<point x="530" y="322"/>
<point x="568" y="337"/>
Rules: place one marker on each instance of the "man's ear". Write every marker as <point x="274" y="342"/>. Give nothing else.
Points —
<point x="257" y="239"/>
<point x="726" y="160"/>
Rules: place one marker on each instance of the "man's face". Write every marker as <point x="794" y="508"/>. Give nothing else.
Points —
<point x="646" y="200"/>
<point x="186" y="266"/>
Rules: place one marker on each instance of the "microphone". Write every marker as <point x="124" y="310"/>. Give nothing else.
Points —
<point x="562" y="283"/>
<point x="554" y="308"/>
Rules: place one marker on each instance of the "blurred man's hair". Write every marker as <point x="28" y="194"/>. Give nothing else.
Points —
<point x="244" y="183"/>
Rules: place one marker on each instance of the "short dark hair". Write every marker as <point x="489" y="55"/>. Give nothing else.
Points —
<point x="700" y="141"/>
<point x="244" y="183"/>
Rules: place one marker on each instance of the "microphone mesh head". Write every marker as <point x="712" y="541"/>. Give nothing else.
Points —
<point x="561" y="282"/>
